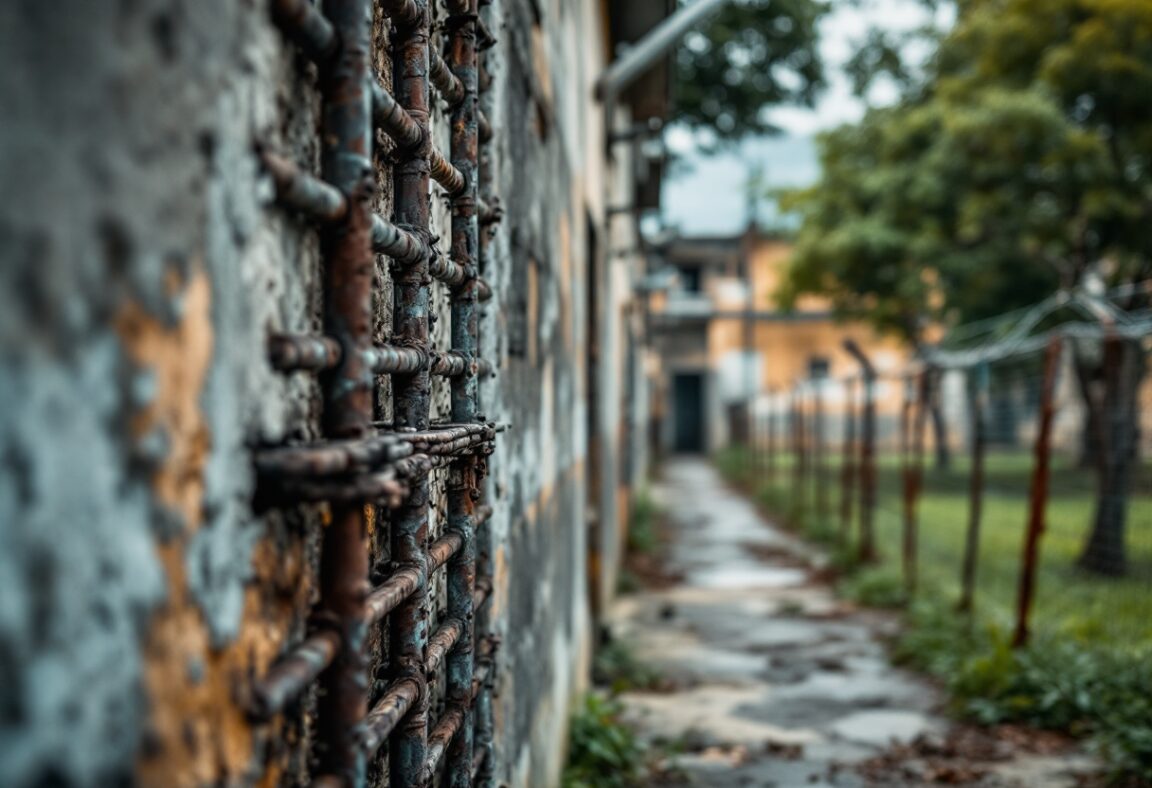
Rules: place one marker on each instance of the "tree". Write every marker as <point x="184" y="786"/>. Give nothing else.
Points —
<point x="753" y="54"/>
<point x="1020" y="163"/>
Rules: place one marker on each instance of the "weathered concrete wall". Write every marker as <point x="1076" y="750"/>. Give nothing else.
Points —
<point x="141" y="272"/>
<point x="143" y="267"/>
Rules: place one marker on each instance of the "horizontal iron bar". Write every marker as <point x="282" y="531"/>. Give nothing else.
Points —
<point x="394" y="119"/>
<point x="292" y="352"/>
<point x="383" y="488"/>
<point x="441" y="642"/>
<point x="478" y="761"/>
<point x="453" y="363"/>
<point x="483" y="290"/>
<point x="292" y="674"/>
<point x="386" y="715"/>
<point x="445" y="174"/>
<point x="396" y="242"/>
<point x="298" y="190"/>
<point x="332" y="458"/>
<point x="446" y="728"/>
<point x="388" y="595"/>
<point x="481" y="593"/>
<point x="309" y="29"/>
<point x="450" y="87"/>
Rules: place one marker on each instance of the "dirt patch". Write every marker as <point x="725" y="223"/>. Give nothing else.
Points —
<point x="967" y="755"/>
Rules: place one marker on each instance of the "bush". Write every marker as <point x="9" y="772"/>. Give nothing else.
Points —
<point x="603" y="751"/>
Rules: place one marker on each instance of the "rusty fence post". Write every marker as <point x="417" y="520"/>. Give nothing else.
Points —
<point x="867" y="551"/>
<point x="848" y="461"/>
<point x="978" y="381"/>
<point x="1037" y="495"/>
<point x="819" y="467"/>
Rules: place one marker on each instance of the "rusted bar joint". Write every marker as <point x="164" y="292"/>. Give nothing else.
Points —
<point x="317" y="199"/>
<point x="387" y="714"/>
<point x="401" y="245"/>
<point x="305" y="26"/>
<point x="482" y="593"/>
<point x="449" y="272"/>
<point x="292" y="674"/>
<point x="450" y="87"/>
<point x="455" y="363"/>
<point x="419" y="465"/>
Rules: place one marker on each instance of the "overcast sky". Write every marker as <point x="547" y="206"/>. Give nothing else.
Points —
<point x="710" y="197"/>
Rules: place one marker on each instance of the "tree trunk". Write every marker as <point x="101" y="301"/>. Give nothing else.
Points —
<point x="939" y="423"/>
<point x="1087" y="372"/>
<point x="1104" y="552"/>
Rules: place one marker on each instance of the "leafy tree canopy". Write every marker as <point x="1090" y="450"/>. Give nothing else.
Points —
<point x="753" y="54"/>
<point x="1016" y="166"/>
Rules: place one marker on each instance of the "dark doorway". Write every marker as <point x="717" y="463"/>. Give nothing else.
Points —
<point x="688" y="407"/>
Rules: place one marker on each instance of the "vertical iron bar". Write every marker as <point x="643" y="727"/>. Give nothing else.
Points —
<point x="1038" y="495"/>
<point x="411" y="395"/>
<point x="464" y="492"/>
<point x="819" y="469"/>
<point x="771" y="448"/>
<point x="977" y="402"/>
<point x="912" y="424"/>
<point x="867" y="454"/>
<point x="848" y="461"/>
<point x="346" y="163"/>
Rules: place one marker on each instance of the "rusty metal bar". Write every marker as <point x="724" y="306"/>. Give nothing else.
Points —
<point x="389" y="116"/>
<point x="346" y="164"/>
<point x="292" y="674"/>
<point x="403" y="12"/>
<point x="455" y="363"/>
<point x="332" y="458"/>
<point x="977" y="405"/>
<point x="398" y="701"/>
<point x="442" y="641"/>
<point x="292" y="352"/>
<point x="913" y="422"/>
<point x="445" y="174"/>
<point x="306" y="27"/>
<point x="319" y="200"/>
<point x="399" y="244"/>
<point x="848" y="461"/>
<point x="449" y="728"/>
<point x="408" y="623"/>
<point x="489" y="211"/>
<point x="455" y="733"/>
<point x="819" y="466"/>
<point x="1038" y="494"/>
<point x="450" y="87"/>
<point x="867" y="454"/>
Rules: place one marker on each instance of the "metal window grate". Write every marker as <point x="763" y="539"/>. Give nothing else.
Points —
<point x="362" y="463"/>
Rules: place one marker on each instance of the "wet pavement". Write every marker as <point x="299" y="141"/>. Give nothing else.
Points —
<point x="775" y="681"/>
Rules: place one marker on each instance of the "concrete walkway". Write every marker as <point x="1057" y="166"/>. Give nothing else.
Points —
<point x="777" y="683"/>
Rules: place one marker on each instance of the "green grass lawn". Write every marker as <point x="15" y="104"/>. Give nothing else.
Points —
<point x="1089" y="667"/>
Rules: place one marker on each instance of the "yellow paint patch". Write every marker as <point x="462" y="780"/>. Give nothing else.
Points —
<point x="198" y="733"/>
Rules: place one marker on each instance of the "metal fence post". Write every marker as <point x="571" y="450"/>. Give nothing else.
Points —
<point x="848" y="460"/>
<point x="867" y="454"/>
<point x="977" y="404"/>
<point x="1038" y="495"/>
